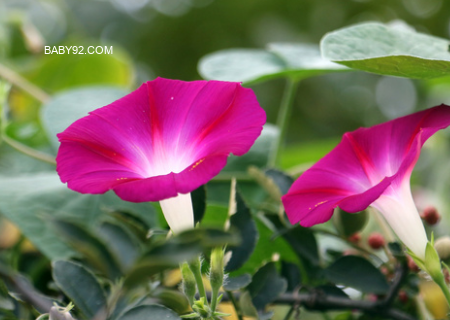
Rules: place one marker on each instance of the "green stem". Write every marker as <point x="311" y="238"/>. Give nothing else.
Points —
<point x="444" y="289"/>
<point x="235" y="305"/>
<point x="283" y="115"/>
<point x="22" y="83"/>
<point x="214" y="296"/>
<point x="28" y="151"/>
<point x="196" y="267"/>
<point x="289" y="314"/>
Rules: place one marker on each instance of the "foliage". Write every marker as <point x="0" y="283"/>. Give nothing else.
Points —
<point x="115" y="260"/>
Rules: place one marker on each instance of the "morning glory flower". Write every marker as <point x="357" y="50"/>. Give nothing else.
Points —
<point x="160" y="142"/>
<point x="370" y="167"/>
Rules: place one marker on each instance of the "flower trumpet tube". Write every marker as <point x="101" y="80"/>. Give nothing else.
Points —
<point x="160" y="142"/>
<point x="370" y="167"/>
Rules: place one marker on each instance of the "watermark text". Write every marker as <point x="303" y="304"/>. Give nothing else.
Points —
<point x="78" y="50"/>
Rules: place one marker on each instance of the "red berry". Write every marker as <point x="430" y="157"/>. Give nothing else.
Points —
<point x="376" y="241"/>
<point x="430" y="215"/>
<point x="412" y="265"/>
<point x="402" y="296"/>
<point x="355" y="238"/>
<point x="446" y="276"/>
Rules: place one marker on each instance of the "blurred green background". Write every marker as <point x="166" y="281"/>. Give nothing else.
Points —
<point x="168" y="37"/>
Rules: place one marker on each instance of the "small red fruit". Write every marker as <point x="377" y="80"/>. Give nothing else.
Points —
<point x="376" y="241"/>
<point x="403" y="297"/>
<point x="412" y="265"/>
<point x="355" y="238"/>
<point x="430" y="215"/>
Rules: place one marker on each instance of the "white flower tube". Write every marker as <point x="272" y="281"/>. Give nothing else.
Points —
<point x="178" y="212"/>
<point x="399" y="210"/>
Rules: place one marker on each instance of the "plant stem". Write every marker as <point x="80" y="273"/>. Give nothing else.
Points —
<point x="28" y="151"/>
<point x="283" y="115"/>
<point x="22" y="83"/>
<point x="444" y="289"/>
<point x="235" y="305"/>
<point x="195" y="267"/>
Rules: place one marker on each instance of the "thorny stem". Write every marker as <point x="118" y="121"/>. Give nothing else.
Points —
<point x="283" y="116"/>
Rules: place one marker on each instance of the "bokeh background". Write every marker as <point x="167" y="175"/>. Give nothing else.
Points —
<point x="167" y="38"/>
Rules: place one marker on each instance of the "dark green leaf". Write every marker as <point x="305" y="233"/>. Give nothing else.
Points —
<point x="31" y="200"/>
<point x="304" y="243"/>
<point x="282" y="180"/>
<point x="236" y="283"/>
<point x="388" y="50"/>
<point x="149" y="312"/>
<point x="81" y="286"/>
<point x="291" y="273"/>
<point x="92" y="248"/>
<point x="199" y="203"/>
<point x="180" y="248"/>
<point x="358" y="273"/>
<point x="123" y="245"/>
<point x="266" y="286"/>
<point x="243" y="222"/>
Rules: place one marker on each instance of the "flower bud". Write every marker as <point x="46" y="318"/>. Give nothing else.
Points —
<point x="376" y="241"/>
<point x="430" y="215"/>
<point x="403" y="296"/>
<point x="412" y="265"/>
<point x="216" y="272"/>
<point x="355" y="238"/>
<point x="59" y="313"/>
<point x="189" y="284"/>
<point x="442" y="246"/>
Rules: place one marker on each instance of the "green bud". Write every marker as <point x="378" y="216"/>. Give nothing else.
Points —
<point x="189" y="284"/>
<point x="433" y="264"/>
<point x="201" y="308"/>
<point x="442" y="246"/>
<point x="216" y="272"/>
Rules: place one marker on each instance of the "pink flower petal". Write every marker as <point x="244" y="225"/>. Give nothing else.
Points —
<point x="165" y="138"/>
<point x="367" y="163"/>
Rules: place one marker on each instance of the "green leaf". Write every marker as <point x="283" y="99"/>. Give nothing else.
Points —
<point x="304" y="243"/>
<point x="256" y="65"/>
<point x="242" y="221"/>
<point x="358" y="273"/>
<point x="246" y="304"/>
<point x="236" y="283"/>
<point x="199" y="203"/>
<point x="94" y="250"/>
<point x="121" y="242"/>
<point x="60" y="71"/>
<point x="81" y="286"/>
<point x="388" y="50"/>
<point x="266" y="286"/>
<point x="68" y="106"/>
<point x="349" y="223"/>
<point x="173" y="299"/>
<point x="175" y="250"/>
<point x="291" y="273"/>
<point x="31" y="200"/>
<point x="149" y="312"/>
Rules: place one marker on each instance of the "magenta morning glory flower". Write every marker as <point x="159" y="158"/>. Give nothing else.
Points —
<point x="370" y="166"/>
<point x="160" y="142"/>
